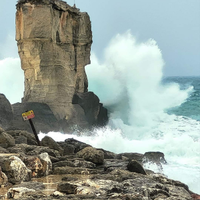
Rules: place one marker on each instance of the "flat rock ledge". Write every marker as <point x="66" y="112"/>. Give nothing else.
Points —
<point x="80" y="171"/>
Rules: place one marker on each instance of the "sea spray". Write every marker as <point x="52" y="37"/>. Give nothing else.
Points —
<point x="130" y="84"/>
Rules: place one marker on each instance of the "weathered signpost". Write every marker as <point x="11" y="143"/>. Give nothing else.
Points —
<point x="28" y="115"/>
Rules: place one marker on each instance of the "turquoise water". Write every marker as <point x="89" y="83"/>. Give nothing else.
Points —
<point x="191" y="107"/>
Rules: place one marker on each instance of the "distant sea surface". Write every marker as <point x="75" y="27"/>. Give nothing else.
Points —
<point x="191" y="107"/>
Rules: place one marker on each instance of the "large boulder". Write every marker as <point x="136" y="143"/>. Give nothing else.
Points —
<point x="6" y="112"/>
<point x="6" y="140"/>
<point x="134" y="166"/>
<point x="68" y="149"/>
<point x="154" y="157"/>
<point x="49" y="142"/>
<point x="91" y="154"/>
<point x="16" y="170"/>
<point x="95" y="113"/>
<point x="46" y="162"/>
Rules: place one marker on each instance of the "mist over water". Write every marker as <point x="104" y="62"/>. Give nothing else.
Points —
<point x="129" y="84"/>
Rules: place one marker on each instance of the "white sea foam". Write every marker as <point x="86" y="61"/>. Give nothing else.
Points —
<point x="181" y="148"/>
<point x="128" y="82"/>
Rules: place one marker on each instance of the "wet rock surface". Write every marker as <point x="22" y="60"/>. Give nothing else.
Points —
<point x="95" y="113"/>
<point x="87" y="173"/>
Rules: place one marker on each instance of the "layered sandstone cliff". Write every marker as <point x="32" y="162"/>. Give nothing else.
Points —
<point x="54" y="42"/>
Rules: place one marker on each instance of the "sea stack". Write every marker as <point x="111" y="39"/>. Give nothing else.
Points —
<point x="54" y="42"/>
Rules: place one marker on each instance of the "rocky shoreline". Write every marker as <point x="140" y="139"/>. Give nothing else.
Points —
<point x="54" y="42"/>
<point x="84" y="172"/>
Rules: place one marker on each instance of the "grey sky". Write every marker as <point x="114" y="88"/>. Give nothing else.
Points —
<point x="174" y="24"/>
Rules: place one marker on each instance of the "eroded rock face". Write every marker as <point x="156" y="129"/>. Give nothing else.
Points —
<point x="6" y="112"/>
<point x="95" y="113"/>
<point x="54" y="42"/>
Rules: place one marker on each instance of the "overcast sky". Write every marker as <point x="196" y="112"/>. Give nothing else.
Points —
<point x="173" y="24"/>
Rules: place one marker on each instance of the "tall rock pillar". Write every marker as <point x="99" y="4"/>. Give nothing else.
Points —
<point x="54" y="42"/>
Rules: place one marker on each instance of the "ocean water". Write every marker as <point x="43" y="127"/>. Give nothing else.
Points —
<point x="147" y="111"/>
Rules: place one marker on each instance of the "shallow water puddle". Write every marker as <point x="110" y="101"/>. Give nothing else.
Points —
<point x="50" y="182"/>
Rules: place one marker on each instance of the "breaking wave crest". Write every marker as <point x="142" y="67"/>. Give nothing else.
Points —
<point x="129" y="83"/>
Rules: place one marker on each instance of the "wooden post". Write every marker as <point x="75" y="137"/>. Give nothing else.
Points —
<point x="28" y="115"/>
<point x="34" y="131"/>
